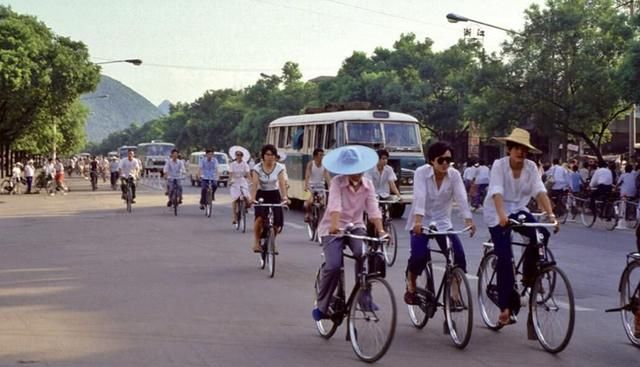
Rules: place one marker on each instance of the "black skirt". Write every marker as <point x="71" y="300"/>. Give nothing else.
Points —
<point x="270" y="197"/>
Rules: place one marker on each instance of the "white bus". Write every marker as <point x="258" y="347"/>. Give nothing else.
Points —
<point x="154" y="155"/>
<point x="123" y="151"/>
<point x="298" y="136"/>
<point x="223" y="167"/>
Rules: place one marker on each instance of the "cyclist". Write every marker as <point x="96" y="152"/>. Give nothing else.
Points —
<point x="315" y="176"/>
<point x="208" y="172"/>
<point x="93" y="171"/>
<point x="479" y="181"/>
<point x="600" y="184"/>
<point x="114" y="165"/>
<point x="268" y="184"/>
<point x="239" y="172"/>
<point x="174" y="170"/>
<point x="436" y="186"/>
<point x="129" y="167"/>
<point x="59" y="176"/>
<point x="383" y="177"/>
<point x="514" y="180"/>
<point x="561" y="183"/>
<point x="350" y="195"/>
<point x="627" y="182"/>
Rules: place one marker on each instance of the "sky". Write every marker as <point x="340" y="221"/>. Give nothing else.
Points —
<point x="191" y="46"/>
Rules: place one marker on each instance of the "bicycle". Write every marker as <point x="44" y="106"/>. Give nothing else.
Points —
<point x="316" y="211"/>
<point x="629" y="288"/>
<point x="175" y="194"/>
<point x="208" y="206"/>
<point x="605" y="210"/>
<point x="128" y="196"/>
<point x="267" y="255"/>
<point x="370" y="326"/>
<point x="629" y="210"/>
<point x="457" y="303"/>
<point x="390" y="248"/>
<point x="550" y="296"/>
<point x="241" y="213"/>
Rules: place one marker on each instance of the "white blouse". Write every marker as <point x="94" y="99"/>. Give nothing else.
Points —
<point x="516" y="193"/>
<point x="434" y="203"/>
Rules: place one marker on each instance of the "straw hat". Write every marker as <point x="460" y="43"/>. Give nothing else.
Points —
<point x="237" y="148"/>
<point x="521" y="137"/>
<point x="350" y="160"/>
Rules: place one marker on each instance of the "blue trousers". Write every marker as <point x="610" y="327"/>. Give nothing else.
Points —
<point x="501" y="237"/>
<point x="420" y="253"/>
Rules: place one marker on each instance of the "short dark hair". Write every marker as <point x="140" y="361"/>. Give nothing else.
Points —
<point x="382" y="152"/>
<point x="268" y="148"/>
<point x="209" y="150"/>
<point x="482" y="162"/>
<point x="317" y="151"/>
<point x="130" y="151"/>
<point x="628" y="168"/>
<point x="556" y="161"/>
<point x="174" y="151"/>
<point x="437" y="149"/>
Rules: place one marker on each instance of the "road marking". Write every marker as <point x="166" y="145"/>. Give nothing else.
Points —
<point x="294" y="225"/>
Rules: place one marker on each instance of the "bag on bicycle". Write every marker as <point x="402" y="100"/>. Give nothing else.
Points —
<point x="377" y="264"/>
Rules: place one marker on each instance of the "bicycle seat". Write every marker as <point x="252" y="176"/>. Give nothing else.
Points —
<point x="487" y="245"/>
<point x="634" y="255"/>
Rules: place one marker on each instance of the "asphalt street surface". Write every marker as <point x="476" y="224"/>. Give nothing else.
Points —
<point x="83" y="283"/>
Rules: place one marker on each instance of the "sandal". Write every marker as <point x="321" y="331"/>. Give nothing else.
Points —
<point x="411" y="298"/>
<point x="512" y="319"/>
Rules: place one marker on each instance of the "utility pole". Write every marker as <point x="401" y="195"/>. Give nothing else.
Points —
<point x="632" y="113"/>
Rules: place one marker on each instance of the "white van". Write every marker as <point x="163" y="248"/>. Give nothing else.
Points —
<point x="223" y="167"/>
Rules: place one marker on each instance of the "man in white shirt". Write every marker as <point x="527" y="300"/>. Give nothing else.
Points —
<point x="601" y="184"/>
<point x="382" y="176"/>
<point x="29" y="172"/>
<point x="561" y="183"/>
<point x="480" y="182"/>
<point x="174" y="171"/>
<point x="315" y="178"/>
<point x="129" y="168"/>
<point x="468" y="174"/>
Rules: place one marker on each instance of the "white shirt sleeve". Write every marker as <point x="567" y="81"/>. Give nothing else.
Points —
<point x="419" y="192"/>
<point x="496" y="179"/>
<point x="460" y="194"/>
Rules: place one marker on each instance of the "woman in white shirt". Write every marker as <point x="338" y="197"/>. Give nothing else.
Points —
<point x="513" y="181"/>
<point x="239" y="173"/>
<point x="435" y="187"/>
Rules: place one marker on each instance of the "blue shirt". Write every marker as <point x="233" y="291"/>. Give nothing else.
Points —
<point x="208" y="169"/>
<point x="576" y="181"/>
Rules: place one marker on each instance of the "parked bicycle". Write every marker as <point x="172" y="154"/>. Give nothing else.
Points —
<point x="454" y="295"/>
<point x="267" y="255"/>
<point x="629" y="288"/>
<point x="551" y="302"/>
<point x="370" y="309"/>
<point x="317" y="210"/>
<point x="390" y="248"/>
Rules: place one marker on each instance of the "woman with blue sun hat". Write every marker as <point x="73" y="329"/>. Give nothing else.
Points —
<point x="350" y="195"/>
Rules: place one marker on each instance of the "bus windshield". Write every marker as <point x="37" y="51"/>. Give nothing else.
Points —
<point x="367" y="133"/>
<point x="400" y="136"/>
<point x="157" y="150"/>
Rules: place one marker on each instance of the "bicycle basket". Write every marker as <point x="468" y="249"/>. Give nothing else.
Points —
<point x="376" y="264"/>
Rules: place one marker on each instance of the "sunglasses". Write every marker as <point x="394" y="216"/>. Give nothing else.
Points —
<point x="239" y="154"/>
<point x="441" y="160"/>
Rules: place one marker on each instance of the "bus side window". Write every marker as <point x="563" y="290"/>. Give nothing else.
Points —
<point x="330" y="140"/>
<point x="281" y="136"/>
<point x="340" y="133"/>
<point x="298" y="138"/>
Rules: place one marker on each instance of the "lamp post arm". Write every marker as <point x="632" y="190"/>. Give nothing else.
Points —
<point x="495" y="26"/>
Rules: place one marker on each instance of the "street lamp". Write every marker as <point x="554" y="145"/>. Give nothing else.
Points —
<point x="455" y="18"/>
<point x="136" y="62"/>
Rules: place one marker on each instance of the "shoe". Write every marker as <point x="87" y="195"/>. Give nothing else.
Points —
<point x="133" y="201"/>
<point x="201" y="207"/>
<point x="512" y="319"/>
<point x="234" y="222"/>
<point x="257" y="248"/>
<point x="180" y="201"/>
<point x="275" y="250"/>
<point x="319" y="315"/>
<point x="169" y="204"/>
<point x="411" y="298"/>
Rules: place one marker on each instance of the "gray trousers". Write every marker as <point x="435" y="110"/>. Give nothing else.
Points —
<point x="330" y="275"/>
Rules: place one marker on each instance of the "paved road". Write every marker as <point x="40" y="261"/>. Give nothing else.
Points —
<point x="83" y="283"/>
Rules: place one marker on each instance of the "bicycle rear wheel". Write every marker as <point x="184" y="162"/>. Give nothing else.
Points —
<point x="271" y="255"/>
<point x="630" y="301"/>
<point x="372" y="319"/>
<point x="419" y="314"/>
<point x="587" y="216"/>
<point x="174" y="203"/>
<point x="488" y="290"/>
<point x="458" y="308"/>
<point x="243" y="216"/>
<point x="612" y="213"/>
<point x="390" y="247"/>
<point x="312" y="224"/>
<point x="552" y="307"/>
<point x="327" y="327"/>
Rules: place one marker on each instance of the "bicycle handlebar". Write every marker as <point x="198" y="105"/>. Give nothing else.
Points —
<point x="282" y="204"/>
<point x="346" y="232"/>
<point x="517" y="223"/>
<point x="434" y="232"/>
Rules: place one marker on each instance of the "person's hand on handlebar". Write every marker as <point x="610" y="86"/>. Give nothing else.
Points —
<point x="472" y="227"/>
<point x="552" y="219"/>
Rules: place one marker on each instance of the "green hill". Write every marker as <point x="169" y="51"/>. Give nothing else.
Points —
<point x="114" y="107"/>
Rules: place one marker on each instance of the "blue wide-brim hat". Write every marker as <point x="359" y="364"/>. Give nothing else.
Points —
<point x="350" y="160"/>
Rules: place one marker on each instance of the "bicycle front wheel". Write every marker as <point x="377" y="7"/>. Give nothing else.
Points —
<point x="271" y="254"/>
<point x="552" y="307"/>
<point x="312" y="224"/>
<point x="458" y="308"/>
<point x="587" y="215"/>
<point x="372" y="319"/>
<point x="209" y="207"/>
<point x="488" y="290"/>
<point x="613" y="215"/>
<point x="630" y="301"/>
<point x="390" y="247"/>
<point x="129" y="199"/>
